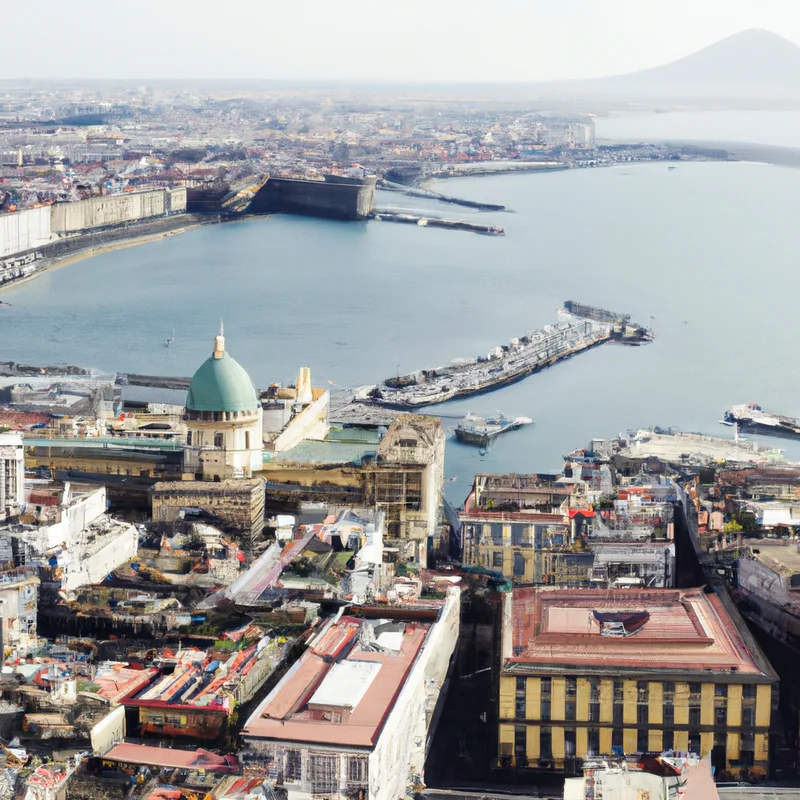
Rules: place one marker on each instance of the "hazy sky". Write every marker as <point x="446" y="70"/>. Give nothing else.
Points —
<point x="397" y="40"/>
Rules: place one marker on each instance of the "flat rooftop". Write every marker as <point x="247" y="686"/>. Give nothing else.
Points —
<point x="781" y="555"/>
<point x="343" y="688"/>
<point x="618" y="629"/>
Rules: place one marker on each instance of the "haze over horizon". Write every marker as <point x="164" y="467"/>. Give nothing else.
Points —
<point x="359" y="40"/>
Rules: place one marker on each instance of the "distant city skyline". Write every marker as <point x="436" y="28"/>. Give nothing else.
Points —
<point x="430" y="40"/>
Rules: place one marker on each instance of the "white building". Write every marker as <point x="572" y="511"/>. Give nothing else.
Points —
<point x="19" y="594"/>
<point x="353" y="716"/>
<point x="12" y="474"/>
<point x="66" y="533"/>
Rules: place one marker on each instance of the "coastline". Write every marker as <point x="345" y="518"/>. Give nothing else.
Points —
<point x="133" y="240"/>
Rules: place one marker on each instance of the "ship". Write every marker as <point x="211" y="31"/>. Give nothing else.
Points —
<point x="482" y="432"/>
<point x="752" y="417"/>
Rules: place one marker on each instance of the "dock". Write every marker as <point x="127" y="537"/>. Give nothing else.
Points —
<point x="414" y="191"/>
<point x="382" y="215"/>
<point x="586" y="327"/>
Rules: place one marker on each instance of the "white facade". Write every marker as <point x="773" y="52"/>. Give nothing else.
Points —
<point x="19" y="594"/>
<point x="12" y="474"/>
<point x="107" y="733"/>
<point x="24" y="230"/>
<point x="397" y="761"/>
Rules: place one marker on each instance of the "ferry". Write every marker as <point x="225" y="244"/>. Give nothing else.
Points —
<point x="481" y="432"/>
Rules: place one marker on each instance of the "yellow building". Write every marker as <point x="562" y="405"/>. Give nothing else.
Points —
<point x="593" y="671"/>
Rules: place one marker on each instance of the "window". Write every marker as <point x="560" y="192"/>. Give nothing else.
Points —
<point x="694" y="716"/>
<point x="594" y="690"/>
<point x="408" y="443"/>
<point x="694" y="688"/>
<point x="519" y="565"/>
<point x="593" y="741"/>
<point x="516" y="535"/>
<point x="618" y="693"/>
<point x="546" y="684"/>
<point x="616" y="737"/>
<point x="748" y="716"/>
<point x="748" y="691"/>
<point x="323" y="774"/>
<point x="669" y="714"/>
<point x="642" y="714"/>
<point x="720" y="716"/>
<point x="669" y="740"/>
<point x="641" y="741"/>
<point x="520" y="743"/>
<point x="545" y="710"/>
<point x="189" y="438"/>
<point x="294" y="766"/>
<point x="497" y="532"/>
<point x="569" y="709"/>
<point x="546" y="743"/>
<point x="569" y="742"/>
<point x="357" y="770"/>
<point x="247" y="440"/>
<point x="694" y="742"/>
<point x="519" y="707"/>
<point x="219" y="440"/>
<point x="721" y="690"/>
<point x="642" y="692"/>
<point x="571" y="687"/>
<point x="669" y="687"/>
<point x="617" y="714"/>
<point x="594" y="712"/>
<point x="521" y="685"/>
<point x="497" y="559"/>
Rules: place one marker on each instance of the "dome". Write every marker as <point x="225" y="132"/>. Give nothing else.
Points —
<point x="221" y="384"/>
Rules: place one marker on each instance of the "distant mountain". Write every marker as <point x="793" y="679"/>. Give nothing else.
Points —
<point x="747" y="59"/>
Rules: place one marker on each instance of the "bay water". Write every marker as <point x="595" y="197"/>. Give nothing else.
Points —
<point x="709" y="250"/>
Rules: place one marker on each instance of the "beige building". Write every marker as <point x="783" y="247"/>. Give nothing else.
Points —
<point x="405" y="482"/>
<point x="585" y="671"/>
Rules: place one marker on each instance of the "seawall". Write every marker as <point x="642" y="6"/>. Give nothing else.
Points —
<point x="335" y="197"/>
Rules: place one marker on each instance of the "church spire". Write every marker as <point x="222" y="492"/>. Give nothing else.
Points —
<point x="219" y="342"/>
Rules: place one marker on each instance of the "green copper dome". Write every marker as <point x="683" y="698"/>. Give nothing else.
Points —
<point x="221" y="384"/>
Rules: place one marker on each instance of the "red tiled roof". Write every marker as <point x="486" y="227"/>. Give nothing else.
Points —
<point x="283" y="715"/>
<point x="127" y="753"/>
<point x="686" y="630"/>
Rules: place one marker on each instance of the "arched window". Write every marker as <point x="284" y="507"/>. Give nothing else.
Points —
<point x="219" y="440"/>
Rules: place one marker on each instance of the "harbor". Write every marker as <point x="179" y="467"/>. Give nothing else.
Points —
<point x="579" y="328"/>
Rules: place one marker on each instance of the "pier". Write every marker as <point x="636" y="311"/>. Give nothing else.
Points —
<point x="381" y="215"/>
<point x="442" y="198"/>
<point x="574" y="333"/>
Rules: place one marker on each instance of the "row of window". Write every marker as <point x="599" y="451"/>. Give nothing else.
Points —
<point x="498" y="561"/>
<point x="642" y="708"/>
<point x="196" y="438"/>
<point x="746" y="742"/>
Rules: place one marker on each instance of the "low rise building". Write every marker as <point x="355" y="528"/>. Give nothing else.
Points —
<point x="352" y="717"/>
<point x="194" y="692"/>
<point x="587" y="671"/>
